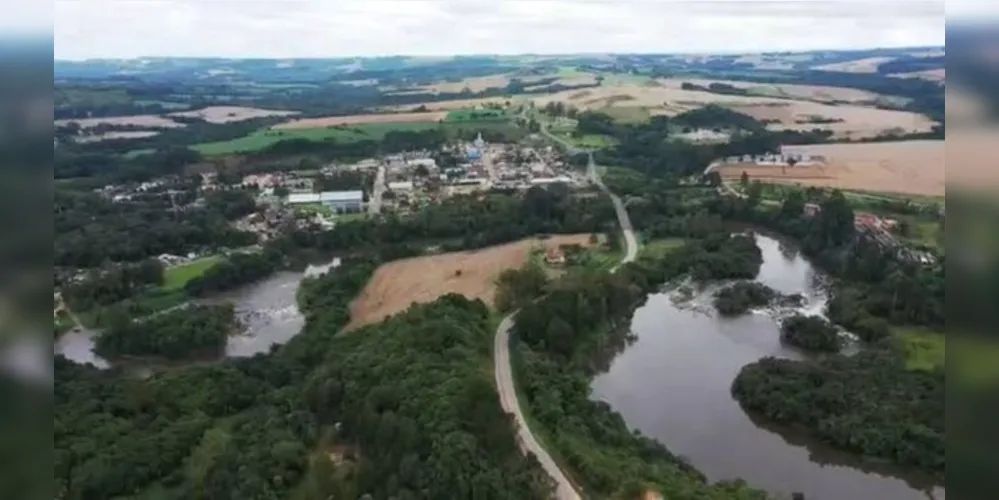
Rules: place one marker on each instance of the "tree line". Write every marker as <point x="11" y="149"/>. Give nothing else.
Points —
<point x="180" y="334"/>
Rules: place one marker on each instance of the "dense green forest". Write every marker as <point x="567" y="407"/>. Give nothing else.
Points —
<point x="739" y="298"/>
<point x="868" y="403"/>
<point x="183" y="333"/>
<point x="236" y="429"/>
<point x="91" y="229"/>
<point x="811" y="333"/>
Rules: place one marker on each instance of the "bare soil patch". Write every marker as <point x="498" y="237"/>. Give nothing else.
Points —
<point x="332" y="121"/>
<point x="229" y="114"/>
<point x="397" y="285"/>
<point x="908" y="167"/>
<point x="865" y="65"/>
<point x="151" y="121"/>
<point x="933" y="75"/>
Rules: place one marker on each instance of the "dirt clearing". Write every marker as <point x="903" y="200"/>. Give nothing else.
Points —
<point x="229" y="114"/>
<point x="396" y="285"/>
<point x="906" y="167"/>
<point x="332" y="121"/>
<point x="150" y="121"/>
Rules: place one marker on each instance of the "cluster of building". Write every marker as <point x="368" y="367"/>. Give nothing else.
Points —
<point x="881" y="230"/>
<point x="776" y="160"/>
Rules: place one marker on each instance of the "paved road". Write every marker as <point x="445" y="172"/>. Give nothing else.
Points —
<point x="564" y="489"/>
<point x="375" y="204"/>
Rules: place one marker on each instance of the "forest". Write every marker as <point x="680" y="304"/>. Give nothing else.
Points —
<point x="185" y="333"/>
<point x="868" y="403"/>
<point x="91" y="229"/>
<point x="738" y="298"/>
<point x="239" y="428"/>
<point x="810" y="333"/>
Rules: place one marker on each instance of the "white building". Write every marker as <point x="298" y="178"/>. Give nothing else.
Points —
<point x="340" y="201"/>
<point x="426" y="162"/>
<point x="542" y="181"/>
<point x="400" y="186"/>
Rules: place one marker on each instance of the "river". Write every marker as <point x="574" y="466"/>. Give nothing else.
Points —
<point x="267" y="312"/>
<point x="673" y="384"/>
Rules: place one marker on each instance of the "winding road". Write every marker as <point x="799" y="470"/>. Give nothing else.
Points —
<point x="564" y="489"/>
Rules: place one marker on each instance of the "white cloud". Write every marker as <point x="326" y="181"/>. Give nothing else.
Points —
<point x="325" y="28"/>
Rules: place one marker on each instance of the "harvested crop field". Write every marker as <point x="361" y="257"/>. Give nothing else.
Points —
<point x="933" y="75"/>
<point x="854" y="122"/>
<point x="865" y="65"/>
<point x="229" y="114"/>
<point x="396" y="285"/>
<point x="151" y="121"/>
<point x="820" y="93"/>
<point x="906" y="167"/>
<point x="333" y="121"/>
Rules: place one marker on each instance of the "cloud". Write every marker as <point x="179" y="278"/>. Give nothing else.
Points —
<point x="329" y="28"/>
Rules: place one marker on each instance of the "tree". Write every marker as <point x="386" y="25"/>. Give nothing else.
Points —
<point x="744" y="180"/>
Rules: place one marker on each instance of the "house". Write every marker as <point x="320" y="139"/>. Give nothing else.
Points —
<point x="554" y="256"/>
<point x="339" y="201"/>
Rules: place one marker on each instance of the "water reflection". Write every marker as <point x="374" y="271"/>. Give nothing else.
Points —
<point x="674" y="384"/>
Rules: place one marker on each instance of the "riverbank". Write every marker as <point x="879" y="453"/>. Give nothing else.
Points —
<point x="674" y="384"/>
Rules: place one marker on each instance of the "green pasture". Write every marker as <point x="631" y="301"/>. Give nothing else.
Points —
<point x="262" y="139"/>
<point x="176" y="277"/>
<point x="626" y="114"/>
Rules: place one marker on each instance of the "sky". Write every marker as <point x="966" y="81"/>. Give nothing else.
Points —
<point x="335" y="28"/>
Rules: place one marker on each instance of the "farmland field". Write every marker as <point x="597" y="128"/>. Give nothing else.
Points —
<point x="261" y="139"/>
<point x="228" y="114"/>
<point x="473" y="274"/>
<point x="333" y="121"/>
<point x="151" y="121"/>
<point x="909" y="167"/>
<point x="865" y="65"/>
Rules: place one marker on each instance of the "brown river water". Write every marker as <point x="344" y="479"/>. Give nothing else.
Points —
<point x="673" y="384"/>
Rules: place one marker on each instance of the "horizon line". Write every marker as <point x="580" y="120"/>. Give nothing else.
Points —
<point x="522" y="54"/>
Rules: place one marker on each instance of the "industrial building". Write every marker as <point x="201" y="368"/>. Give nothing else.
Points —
<point x="340" y="201"/>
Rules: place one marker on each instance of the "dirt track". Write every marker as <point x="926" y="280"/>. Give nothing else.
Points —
<point x="396" y="285"/>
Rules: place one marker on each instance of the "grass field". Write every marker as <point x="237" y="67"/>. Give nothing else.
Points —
<point x="262" y="139"/>
<point x="626" y="114"/>
<point x="924" y="349"/>
<point x="177" y="276"/>
<point x="590" y="140"/>
<point x="659" y="247"/>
